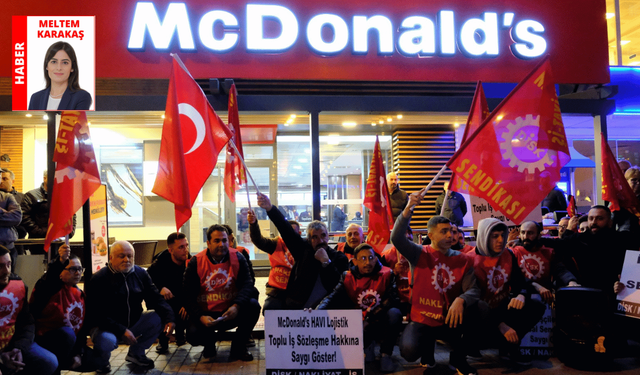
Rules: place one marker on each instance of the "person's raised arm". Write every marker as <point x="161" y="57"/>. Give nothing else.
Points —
<point x="268" y="245"/>
<point x="291" y="238"/>
<point x="408" y="249"/>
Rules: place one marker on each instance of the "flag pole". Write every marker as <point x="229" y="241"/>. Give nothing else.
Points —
<point x="435" y="178"/>
<point x="445" y="202"/>
<point x="232" y="144"/>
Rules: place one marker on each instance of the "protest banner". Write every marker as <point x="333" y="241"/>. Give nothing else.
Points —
<point x="629" y="297"/>
<point x="317" y="342"/>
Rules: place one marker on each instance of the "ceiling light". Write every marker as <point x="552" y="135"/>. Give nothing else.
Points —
<point x="381" y="121"/>
<point x="28" y="115"/>
<point x="389" y="119"/>
<point x="303" y="160"/>
<point x="634" y="63"/>
<point x="293" y="175"/>
<point x="297" y="167"/>
<point x="349" y="124"/>
<point x="373" y="123"/>
<point x="456" y="125"/>
<point x="399" y="116"/>
<point x="45" y="117"/>
<point x="610" y="15"/>
<point x="293" y="116"/>
<point x="162" y="116"/>
<point x="623" y="42"/>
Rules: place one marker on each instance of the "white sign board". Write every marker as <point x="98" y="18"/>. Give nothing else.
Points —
<point x="538" y="343"/>
<point x="629" y="297"/>
<point x="319" y="342"/>
<point x="481" y="209"/>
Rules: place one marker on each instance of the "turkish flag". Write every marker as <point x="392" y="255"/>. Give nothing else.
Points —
<point x="192" y="137"/>
<point x="234" y="175"/>
<point x="615" y="187"/>
<point x="76" y="176"/>
<point x="477" y="114"/>
<point x="514" y="158"/>
<point x="376" y="199"/>
<point x="571" y="209"/>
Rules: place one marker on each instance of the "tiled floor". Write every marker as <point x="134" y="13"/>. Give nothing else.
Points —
<point x="188" y="360"/>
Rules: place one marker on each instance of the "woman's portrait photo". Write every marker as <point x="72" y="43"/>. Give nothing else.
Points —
<point x="62" y="77"/>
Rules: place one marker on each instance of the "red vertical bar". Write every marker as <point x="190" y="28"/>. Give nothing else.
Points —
<point x="19" y="64"/>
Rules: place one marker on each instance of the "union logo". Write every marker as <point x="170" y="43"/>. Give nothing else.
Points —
<point x="368" y="299"/>
<point x="519" y="145"/>
<point x="496" y="278"/>
<point x="8" y="307"/>
<point x="217" y="279"/>
<point x="532" y="266"/>
<point x="74" y="315"/>
<point x="443" y="279"/>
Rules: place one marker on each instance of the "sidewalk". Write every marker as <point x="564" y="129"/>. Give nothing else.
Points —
<point x="187" y="360"/>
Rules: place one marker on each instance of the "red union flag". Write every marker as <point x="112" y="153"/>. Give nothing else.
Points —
<point x="76" y="176"/>
<point x="478" y="113"/>
<point x="377" y="201"/>
<point x="234" y="176"/>
<point x="571" y="209"/>
<point x="192" y="137"/>
<point x="514" y="158"/>
<point x="615" y="187"/>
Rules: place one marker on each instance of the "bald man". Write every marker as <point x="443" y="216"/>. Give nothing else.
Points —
<point x="354" y="238"/>
<point x="398" y="198"/>
<point x="114" y="309"/>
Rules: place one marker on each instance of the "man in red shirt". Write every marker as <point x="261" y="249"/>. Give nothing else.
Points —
<point x="444" y="291"/>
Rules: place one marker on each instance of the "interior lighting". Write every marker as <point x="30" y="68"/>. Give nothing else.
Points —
<point x="381" y="121"/>
<point x="623" y="42"/>
<point x="610" y="15"/>
<point x="297" y="167"/>
<point x="303" y="160"/>
<point x="399" y="117"/>
<point x="162" y="116"/>
<point x="373" y="123"/>
<point x="456" y="125"/>
<point x="28" y="115"/>
<point x="349" y="124"/>
<point x="292" y="116"/>
<point x="45" y="117"/>
<point x="389" y="119"/>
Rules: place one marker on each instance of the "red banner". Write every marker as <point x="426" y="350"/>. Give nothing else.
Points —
<point x="234" y="174"/>
<point x="571" y="208"/>
<point x="615" y="187"/>
<point x="477" y="114"/>
<point x="514" y="159"/>
<point x="76" y="176"/>
<point x="377" y="201"/>
<point x="192" y="137"/>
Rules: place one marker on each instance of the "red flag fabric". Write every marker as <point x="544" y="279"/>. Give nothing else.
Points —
<point x="615" y="187"/>
<point x="514" y="158"/>
<point x="477" y="114"/>
<point x="234" y="175"/>
<point x="76" y="176"/>
<point x="192" y="137"/>
<point x="377" y="201"/>
<point x="571" y="208"/>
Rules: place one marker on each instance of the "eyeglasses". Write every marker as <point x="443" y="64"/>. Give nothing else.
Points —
<point x="75" y="269"/>
<point x="365" y="258"/>
<point x="562" y="227"/>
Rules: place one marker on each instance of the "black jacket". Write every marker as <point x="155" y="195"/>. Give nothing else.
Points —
<point x="79" y="100"/>
<point x="398" y="200"/>
<point x="35" y="213"/>
<point x="114" y="300"/>
<point x="339" y="299"/>
<point x="244" y="284"/>
<point x="307" y="268"/>
<point x="166" y="274"/>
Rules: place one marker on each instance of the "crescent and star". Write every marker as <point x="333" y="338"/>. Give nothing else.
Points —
<point x="198" y="121"/>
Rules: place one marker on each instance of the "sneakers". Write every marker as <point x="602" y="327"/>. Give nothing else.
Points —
<point x="140" y="360"/>
<point x="209" y="351"/>
<point x="162" y="348"/>
<point x="104" y="370"/>
<point x="386" y="363"/>
<point x="460" y="364"/>
<point x="428" y="361"/>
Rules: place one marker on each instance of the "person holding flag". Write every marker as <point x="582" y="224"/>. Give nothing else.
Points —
<point x="377" y="201"/>
<point x="445" y="293"/>
<point x="234" y="174"/>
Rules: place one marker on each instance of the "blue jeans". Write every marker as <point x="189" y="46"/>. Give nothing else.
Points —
<point x="37" y="360"/>
<point x="60" y="342"/>
<point x="146" y="329"/>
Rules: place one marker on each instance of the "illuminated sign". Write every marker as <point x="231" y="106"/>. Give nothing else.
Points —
<point x="330" y="34"/>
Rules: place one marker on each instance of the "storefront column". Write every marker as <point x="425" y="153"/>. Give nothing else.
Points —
<point x="314" y="124"/>
<point x="599" y="126"/>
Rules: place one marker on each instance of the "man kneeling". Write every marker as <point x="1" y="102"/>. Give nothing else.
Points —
<point x="371" y="287"/>
<point x="218" y="289"/>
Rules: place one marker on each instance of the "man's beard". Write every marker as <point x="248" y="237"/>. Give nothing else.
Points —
<point x="530" y="245"/>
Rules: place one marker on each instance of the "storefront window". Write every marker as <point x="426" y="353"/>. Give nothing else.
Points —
<point x="629" y="18"/>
